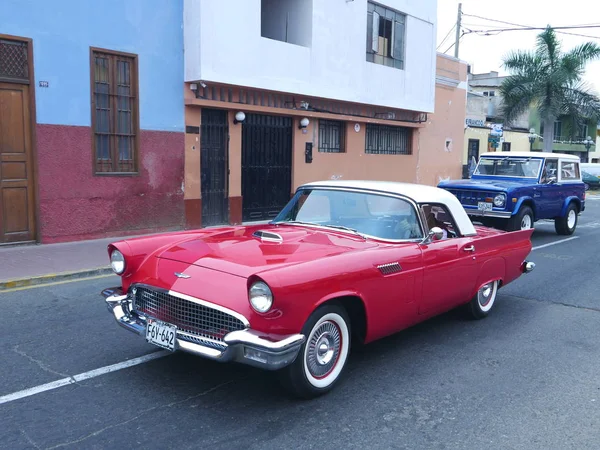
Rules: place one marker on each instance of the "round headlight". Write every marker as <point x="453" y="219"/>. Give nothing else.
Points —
<point x="499" y="200"/>
<point x="117" y="262"/>
<point x="261" y="297"/>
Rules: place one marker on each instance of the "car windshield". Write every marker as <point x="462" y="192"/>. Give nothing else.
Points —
<point x="509" y="167"/>
<point x="366" y="214"/>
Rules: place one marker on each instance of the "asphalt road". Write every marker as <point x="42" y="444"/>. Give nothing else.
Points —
<point x="527" y="377"/>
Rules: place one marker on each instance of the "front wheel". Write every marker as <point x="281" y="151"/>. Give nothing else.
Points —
<point x="523" y="220"/>
<point x="322" y="357"/>
<point x="566" y="225"/>
<point x="481" y="304"/>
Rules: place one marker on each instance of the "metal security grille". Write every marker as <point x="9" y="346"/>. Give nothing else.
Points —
<point x="266" y="165"/>
<point x="386" y="140"/>
<point x="14" y="65"/>
<point x="213" y="166"/>
<point x="332" y="135"/>
<point x="197" y="320"/>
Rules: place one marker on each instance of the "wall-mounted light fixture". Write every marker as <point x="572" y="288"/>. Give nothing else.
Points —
<point x="303" y="123"/>
<point x="239" y="117"/>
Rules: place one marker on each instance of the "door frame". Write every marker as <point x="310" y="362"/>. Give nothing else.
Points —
<point x="32" y="131"/>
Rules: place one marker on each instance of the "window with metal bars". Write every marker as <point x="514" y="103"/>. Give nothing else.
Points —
<point x="387" y="140"/>
<point x="115" y="112"/>
<point x="332" y="136"/>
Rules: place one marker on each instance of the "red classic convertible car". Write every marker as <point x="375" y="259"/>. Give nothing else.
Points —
<point x="344" y="262"/>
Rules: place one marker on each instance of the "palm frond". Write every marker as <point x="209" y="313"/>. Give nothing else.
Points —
<point x="580" y="103"/>
<point x="548" y="46"/>
<point x="518" y="94"/>
<point x="520" y="61"/>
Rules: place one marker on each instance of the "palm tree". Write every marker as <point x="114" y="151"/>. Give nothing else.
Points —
<point x="550" y="81"/>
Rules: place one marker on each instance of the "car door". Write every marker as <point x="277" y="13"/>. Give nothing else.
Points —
<point x="547" y="194"/>
<point x="449" y="264"/>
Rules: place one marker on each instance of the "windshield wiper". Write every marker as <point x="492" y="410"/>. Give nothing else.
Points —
<point x="342" y="227"/>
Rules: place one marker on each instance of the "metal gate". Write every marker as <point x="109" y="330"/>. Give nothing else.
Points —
<point x="266" y="165"/>
<point x="214" y="138"/>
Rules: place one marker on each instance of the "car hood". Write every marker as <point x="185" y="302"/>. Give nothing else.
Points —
<point x="484" y="184"/>
<point x="244" y="251"/>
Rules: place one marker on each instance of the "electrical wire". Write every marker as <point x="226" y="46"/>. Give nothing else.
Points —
<point x="525" y="27"/>
<point x="454" y="43"/>
<point x="444" y="40"/>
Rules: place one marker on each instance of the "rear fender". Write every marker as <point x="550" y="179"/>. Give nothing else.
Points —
<point x="568" y="200"/>
<point x="492" y="270"/>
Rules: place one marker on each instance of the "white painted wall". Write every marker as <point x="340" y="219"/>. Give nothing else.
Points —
<point x="231" y="50"/>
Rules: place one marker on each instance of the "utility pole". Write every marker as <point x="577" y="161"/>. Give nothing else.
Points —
<point x="458" y="21"/>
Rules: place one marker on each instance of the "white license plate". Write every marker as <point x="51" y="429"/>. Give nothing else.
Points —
<point x="162" y="334"/>
<point x="484" y="206"/>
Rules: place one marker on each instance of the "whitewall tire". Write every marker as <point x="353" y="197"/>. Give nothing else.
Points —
<point x="483" y="301"/>
<point x="323" y="356"/>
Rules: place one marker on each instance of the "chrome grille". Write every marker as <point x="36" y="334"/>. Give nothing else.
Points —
<point x="190" y="317"/>
<point x="470" y="197"/>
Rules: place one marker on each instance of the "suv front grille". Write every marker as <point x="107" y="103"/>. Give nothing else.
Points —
<point x="469" y="197"/>
<point x="200" y="321"/>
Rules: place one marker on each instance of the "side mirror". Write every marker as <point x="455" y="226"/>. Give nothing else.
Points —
<point x="436" y="233"/>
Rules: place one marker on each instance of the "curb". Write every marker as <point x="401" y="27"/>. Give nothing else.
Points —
<point x="52" y="278"/>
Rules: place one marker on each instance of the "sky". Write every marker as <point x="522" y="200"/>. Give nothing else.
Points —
<point x="485" y="53"/>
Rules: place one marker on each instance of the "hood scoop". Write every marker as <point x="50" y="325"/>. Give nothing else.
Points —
<point x="268" y="236"/>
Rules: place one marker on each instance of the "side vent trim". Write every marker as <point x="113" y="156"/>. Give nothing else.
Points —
<point x="268" y="236"/>
<point x="389" y="269"/>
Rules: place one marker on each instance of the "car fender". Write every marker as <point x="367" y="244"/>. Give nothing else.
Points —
<point x="568" y="200"/>
<point x="520" y="202"/>
<point x="491" y="270"/>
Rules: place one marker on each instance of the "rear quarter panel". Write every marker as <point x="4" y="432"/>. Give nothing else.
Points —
<point x="501" y="255"/>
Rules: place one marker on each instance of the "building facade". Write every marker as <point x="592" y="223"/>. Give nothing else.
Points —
<point x="286" y="92"/>
<point x="91" y="119"/>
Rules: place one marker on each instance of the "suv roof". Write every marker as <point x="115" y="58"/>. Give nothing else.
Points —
<point x="532" y="155"/>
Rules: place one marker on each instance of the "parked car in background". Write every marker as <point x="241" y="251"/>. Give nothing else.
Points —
<point x="512" y="191"/>
<point x="345" y="262"/>
<point x="590" y="173"/>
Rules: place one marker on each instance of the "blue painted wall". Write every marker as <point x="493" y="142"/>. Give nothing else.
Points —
<point x="63" y="32"/>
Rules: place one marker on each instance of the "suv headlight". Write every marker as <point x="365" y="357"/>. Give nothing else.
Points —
<point x="500" y="200"/>
<point x="261" y="297"/>
<point x="117" y="262"/>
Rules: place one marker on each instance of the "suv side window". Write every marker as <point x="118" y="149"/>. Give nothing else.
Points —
<point x="550" y="170"/>
<point x="569" y="171"/>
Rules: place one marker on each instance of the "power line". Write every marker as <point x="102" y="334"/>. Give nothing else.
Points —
<point x="534" y="28"/>
<point x="447" y="36"/>
<point x="595" y="25"/>
<point x="454" y="43"/>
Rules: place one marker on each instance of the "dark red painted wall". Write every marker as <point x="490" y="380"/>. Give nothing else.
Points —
<point x="75" y="204"/>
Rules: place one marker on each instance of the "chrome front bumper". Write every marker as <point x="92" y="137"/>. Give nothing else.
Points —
<point x="493" y="214"/>
<point x="243" y="346"/>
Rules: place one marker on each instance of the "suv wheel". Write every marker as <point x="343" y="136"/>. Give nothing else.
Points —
<point x="566" y="225"/>
<point x="523" y="220"/>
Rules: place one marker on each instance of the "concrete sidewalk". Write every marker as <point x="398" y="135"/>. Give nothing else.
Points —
<point x="30" y="265"/>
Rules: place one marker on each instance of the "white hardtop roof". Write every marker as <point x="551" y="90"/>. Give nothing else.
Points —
<point x="420" y="193"/>
<point x="531" y="155"/>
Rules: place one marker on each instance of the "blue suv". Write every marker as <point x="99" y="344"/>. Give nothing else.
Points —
<point x="513" y="190"/>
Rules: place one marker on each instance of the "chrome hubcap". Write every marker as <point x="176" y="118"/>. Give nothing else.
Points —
<point x="485" y="294"/>
<point x="323" y="349"/>
<point x="526" y="222"/>
<point x="571" y="219"/>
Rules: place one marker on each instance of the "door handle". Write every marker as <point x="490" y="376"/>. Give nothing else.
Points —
<point x="469" y="249"/>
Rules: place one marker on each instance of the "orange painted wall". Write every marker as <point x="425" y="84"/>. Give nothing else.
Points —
<point x="192" y="155"/>
<point x="436" y="161"/>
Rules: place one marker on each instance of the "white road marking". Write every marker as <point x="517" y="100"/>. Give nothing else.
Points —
<point x="555" y="242"/>
<point x="82" y="376"/>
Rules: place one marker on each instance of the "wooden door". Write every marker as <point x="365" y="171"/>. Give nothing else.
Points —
<point x="17" y="213"/>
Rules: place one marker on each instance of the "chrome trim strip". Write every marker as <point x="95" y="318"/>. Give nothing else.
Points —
<point x="494" y="214"/>
<point x="268" y="236"/>
<point x="252" y="338"/>
<point x="201" y="338"/>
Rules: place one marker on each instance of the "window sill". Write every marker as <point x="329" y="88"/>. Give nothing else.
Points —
<point x="116" y="174"/>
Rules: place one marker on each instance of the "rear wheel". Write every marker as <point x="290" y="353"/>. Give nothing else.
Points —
<point x="566" y="225"/>
<point x="523" y="220"/>
<point x="481" y="304"/>
<point x="323" y="356"/>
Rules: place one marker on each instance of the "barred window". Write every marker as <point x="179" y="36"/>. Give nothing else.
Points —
<point x="114" y="112"/>
<point x="332" y="136"/>
<point x="388" y="140"/>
